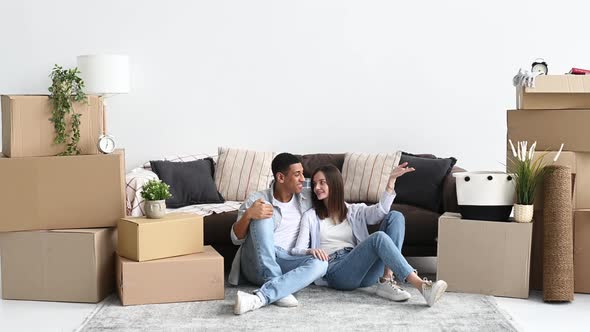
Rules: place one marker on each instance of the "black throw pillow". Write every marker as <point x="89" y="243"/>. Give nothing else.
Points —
<point x="190" y="182"/>
<point x="423" y="187"/>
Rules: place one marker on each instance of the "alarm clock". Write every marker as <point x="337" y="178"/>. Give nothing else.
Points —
<point x="539" y="66"/>
<point x="106" y="144"/>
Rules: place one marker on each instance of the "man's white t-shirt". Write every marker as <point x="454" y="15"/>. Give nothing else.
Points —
<point x="286" y="234"/>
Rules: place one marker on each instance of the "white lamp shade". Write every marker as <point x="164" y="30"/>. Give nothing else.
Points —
<point x="104" y="73"/>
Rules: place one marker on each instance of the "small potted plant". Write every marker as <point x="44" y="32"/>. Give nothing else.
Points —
<point x="528" y="173"/>
<point x="155" y="193"/>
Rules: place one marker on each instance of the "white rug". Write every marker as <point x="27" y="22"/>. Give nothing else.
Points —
<point x="320" y="309"/>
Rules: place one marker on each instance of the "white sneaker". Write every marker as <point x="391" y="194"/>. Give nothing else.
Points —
<point x="288" y="301"/>
<point x="246" y="302"/>
<point x="432" y="291"/>
<point x="390" y="290"/>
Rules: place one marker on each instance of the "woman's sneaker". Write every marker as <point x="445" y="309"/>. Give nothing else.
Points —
<point x="432" y="291"/>
<point x="390" y="290"/>
<point x="288" y="301"/>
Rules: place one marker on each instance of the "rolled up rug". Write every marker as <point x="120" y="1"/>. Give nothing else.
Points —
<point x="558" y="257"/>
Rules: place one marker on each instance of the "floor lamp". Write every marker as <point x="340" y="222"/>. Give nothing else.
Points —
<point x="105" y="75"/>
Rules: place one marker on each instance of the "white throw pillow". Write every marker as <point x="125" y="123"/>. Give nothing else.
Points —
<point x="365" y="175"/>
<point x="241" y="172"/>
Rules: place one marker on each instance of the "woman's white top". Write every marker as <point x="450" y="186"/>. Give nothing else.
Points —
<point x="334" y="237"/>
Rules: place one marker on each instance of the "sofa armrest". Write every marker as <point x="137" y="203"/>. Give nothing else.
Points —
<point x="449" y="193"/>
<point x="135" y="180"/>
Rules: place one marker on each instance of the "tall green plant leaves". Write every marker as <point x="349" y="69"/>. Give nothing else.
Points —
<point x="527" y="175"/>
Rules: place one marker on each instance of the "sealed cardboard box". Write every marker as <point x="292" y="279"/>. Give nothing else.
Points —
<point x="537" y="251"/>
<point x="550" y="128"/>
<point x="555" y="92"/>
<point x="178" y="279"/>
<point x="76" y="265"/>
<point x="62" y="192"/>
<point x="27" y="131"/>
<point x="484" y="257"/>
<point x="582" y="251"/>
<point x="579" y="163"/>
<point x="176" y="234"/>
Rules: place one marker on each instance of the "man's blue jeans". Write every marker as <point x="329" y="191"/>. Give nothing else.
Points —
<point x="362" y="266"/>
<point x="278" y="272"/>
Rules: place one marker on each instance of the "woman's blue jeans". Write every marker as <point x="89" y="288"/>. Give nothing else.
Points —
<point x="351" y="268"/>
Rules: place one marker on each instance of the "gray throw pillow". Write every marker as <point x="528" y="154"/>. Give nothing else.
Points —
<point x="423" y="187"/>
<point x="191" y="182"/>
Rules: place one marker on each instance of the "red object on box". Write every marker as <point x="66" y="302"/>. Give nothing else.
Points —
<point x="579" y="71"/>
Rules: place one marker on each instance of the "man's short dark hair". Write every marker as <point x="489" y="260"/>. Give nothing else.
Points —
<point x="282" y="162"/>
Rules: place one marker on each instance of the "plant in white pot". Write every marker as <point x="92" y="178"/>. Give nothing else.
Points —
<point x="528" y="172"/>
<point x="155" y="193"/>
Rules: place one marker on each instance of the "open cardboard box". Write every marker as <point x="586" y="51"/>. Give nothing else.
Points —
<point x="484" y="257"/>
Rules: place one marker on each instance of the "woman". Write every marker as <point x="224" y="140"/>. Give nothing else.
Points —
<point x="337" y="232"/>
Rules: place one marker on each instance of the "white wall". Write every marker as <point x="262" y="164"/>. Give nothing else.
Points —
<point x="301" y="76"/>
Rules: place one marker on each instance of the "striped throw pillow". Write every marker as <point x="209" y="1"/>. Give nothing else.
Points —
<point x="365" y="175"/>
<point x="242" y="172"/>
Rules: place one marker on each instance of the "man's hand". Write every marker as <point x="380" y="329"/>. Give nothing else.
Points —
<point x="398" y="171"/>
<point x="260" y="210"/>
<point x="318" y="253"/>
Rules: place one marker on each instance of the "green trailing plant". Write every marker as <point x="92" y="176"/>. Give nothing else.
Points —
<point x="528" y="173"/>
<point x="66" y="88"/>
<point x="155" y="190"/>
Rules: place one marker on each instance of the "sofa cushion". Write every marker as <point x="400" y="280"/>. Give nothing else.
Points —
<point x="190" y="182"/>
<point x="423" y="187"/>
<point x="312" y="161"/>
<point x="365" y="175"/>
<point x="242" y="172"/>
<point x="421" y="230"/>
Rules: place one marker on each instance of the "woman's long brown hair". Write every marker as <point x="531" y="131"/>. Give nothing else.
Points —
<point x="336" y="208"/>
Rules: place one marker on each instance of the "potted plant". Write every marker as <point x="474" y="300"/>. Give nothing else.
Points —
<point x="155" y="193"/>
<point x="66" y="87"/>
<point x="528" y="173"/>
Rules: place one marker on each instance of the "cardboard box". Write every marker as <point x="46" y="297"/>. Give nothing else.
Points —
<point x="555" y="92"/>
<point x="75" y="265"/>
<point x="582" y="251"/>
<point x="550" y="128"/>
<point x="176" y="234"/>
<point x="537" y="250"/>
<point x="27" y="131"/>
<point x="484" y="257"/>
<point x="579" y="163"/>
<point x="178" y="279"/>
<point x="62" y="192"/>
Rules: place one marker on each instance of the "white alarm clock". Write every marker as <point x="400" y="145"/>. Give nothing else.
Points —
<point x="106" y="144"/>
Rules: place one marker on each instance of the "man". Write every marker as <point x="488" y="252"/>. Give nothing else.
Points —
<point x="267" y="229"/>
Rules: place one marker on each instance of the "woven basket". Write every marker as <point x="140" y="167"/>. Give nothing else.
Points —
<point x="523" y="213"/>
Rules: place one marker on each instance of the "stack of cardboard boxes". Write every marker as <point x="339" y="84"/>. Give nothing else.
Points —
<point x="556" y="111"/>
<point x="164" y="260"/>
<point x="58" y="218"/>
<point x="57" y="214"/>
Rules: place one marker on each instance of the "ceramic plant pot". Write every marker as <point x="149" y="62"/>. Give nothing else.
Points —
<point x="485" y="195"/>
<point x="155" y="209"/>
